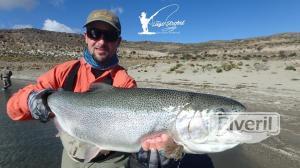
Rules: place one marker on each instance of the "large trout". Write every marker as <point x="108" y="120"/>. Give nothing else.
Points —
<point x="118" y="119"/>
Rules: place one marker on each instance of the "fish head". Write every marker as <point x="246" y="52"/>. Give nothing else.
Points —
<point x="202" y="130"/>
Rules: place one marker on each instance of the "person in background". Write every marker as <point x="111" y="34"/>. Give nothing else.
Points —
<point x="98" y="64"/>
<point x="5" y="77"/>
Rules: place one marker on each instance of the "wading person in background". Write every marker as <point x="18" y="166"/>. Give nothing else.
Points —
<point x="5" y="77"/>
<point x="99" y="64"/>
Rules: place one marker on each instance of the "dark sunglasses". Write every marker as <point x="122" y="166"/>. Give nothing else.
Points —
<point x="96" y="34"/>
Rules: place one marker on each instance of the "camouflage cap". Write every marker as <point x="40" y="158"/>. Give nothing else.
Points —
<point x="104" y="16"/>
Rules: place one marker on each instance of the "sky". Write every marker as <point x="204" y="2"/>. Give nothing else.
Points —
<point x="180" y="21"/>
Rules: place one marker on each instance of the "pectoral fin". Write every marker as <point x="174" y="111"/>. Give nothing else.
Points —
<point x="174" y="151"/>
<point x="91" y="153"/>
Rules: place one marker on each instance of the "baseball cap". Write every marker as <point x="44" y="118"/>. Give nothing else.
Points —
<point x="104" y="16"/>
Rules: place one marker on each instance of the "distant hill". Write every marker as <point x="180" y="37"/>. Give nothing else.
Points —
<point x="47" y="44"/>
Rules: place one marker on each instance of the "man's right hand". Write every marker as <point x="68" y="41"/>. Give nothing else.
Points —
<point x="38" y="106"/>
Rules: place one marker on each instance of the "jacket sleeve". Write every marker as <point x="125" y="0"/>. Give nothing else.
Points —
<point x="122" y="79"/>
<point x="130" y="83"/>
<point x="17" y="108"/>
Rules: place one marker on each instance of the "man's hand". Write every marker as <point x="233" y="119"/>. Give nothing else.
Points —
<point x="38" y="106"/>
<point x="163" y="143"/>
<point x="157" y="142"/>
<point x="159" y="150"/>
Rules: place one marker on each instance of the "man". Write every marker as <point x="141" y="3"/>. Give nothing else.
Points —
<point x="98" y="64"/>
<point x="5" y="77"/>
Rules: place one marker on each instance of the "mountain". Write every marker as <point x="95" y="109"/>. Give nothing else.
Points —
<point x="35" y="43"/>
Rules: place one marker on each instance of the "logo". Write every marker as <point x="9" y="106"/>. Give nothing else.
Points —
<point x="246" y="127"/>
<point x="166" y="26"/>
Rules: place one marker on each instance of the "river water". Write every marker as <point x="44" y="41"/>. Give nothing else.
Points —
<point x="26" y="144"/>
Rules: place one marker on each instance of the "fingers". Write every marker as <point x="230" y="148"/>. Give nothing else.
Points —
<point x="146" y="145"/>
<point x="165" y="137"/>
<point x="159" y="143"/>
<point x="156" y="143"/>
<point x="149" y="144"/>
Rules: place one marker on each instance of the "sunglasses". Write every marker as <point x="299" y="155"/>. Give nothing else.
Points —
<point x="96" y="34"/>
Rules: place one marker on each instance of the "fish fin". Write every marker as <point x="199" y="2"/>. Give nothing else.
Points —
<point x="100" y="87"/>
<point x="174" y="151"/>
<point x="91" y="153"/>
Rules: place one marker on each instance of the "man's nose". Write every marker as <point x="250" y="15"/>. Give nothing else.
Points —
<point x="101" y="40"/>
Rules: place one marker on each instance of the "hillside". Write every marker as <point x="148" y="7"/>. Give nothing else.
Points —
<point x="35" y="43"/>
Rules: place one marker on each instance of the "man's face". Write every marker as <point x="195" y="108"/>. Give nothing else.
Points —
<point x="101" y="41"/>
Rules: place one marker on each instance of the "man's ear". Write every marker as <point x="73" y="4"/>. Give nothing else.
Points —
<point x="85" y="37"/>
<point x="119" y="41"/>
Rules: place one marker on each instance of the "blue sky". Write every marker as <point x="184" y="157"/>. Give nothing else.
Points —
<point x="201" y="20"/>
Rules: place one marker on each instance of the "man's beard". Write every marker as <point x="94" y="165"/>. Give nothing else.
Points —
<point x="103" y="56"/>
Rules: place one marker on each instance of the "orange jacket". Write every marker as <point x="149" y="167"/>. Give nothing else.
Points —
<point x="17" y="107"/>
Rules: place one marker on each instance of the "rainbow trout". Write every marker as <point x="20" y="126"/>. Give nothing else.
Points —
<point x="116" y="119"/>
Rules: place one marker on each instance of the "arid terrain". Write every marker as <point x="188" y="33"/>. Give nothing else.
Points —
<point x="263" y="73"/>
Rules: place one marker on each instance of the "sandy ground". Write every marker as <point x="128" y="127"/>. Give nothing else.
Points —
<point x="261" y="85"/>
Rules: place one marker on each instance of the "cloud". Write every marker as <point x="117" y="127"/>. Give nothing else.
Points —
<point x="22" y="26"/>
<point x="11" y="4"/>
<point x="57" y="3"/>
<point x="53" y="25"/>
<point x="117" y="10"/>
